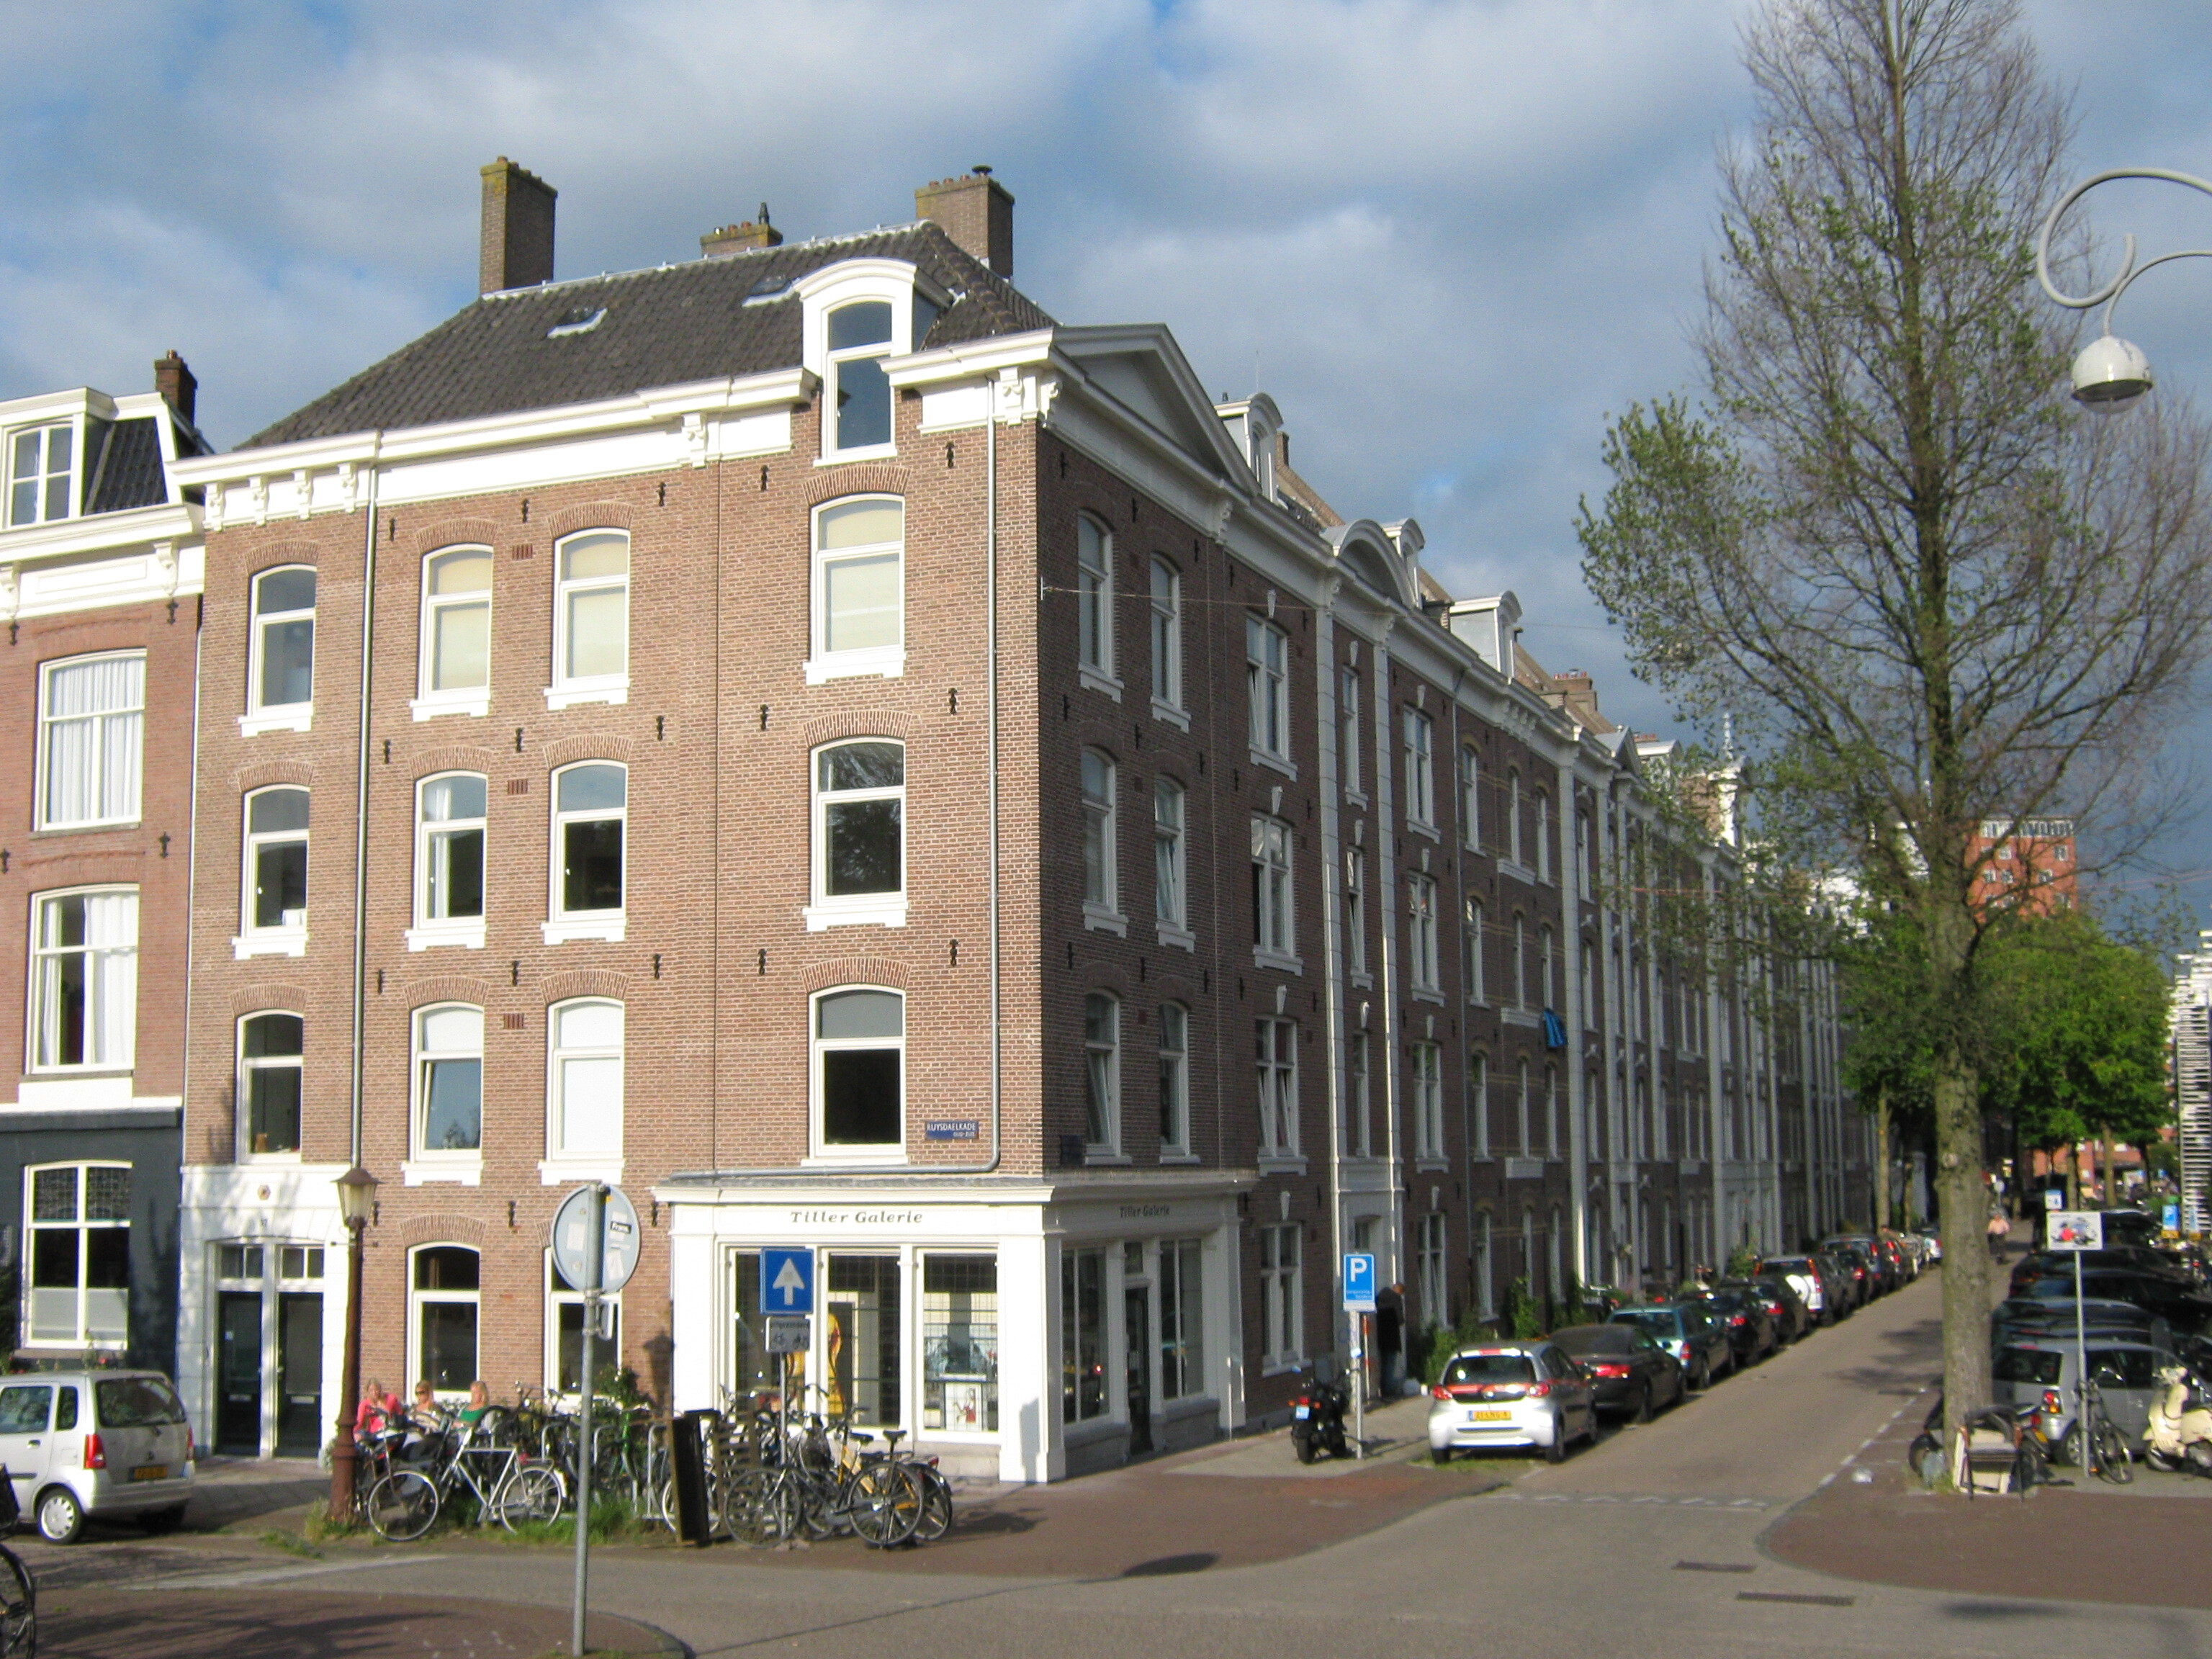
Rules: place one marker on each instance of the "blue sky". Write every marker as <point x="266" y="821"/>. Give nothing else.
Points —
<point x="1448" y="238"/>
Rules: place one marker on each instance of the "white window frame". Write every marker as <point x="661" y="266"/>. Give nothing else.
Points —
<point x="1421" y="935"/>
<point x="556" y="1299"/>
<point x="884" y="661"/>
<point x="418" y="1298"/>
<point x="1355" y="914"/>
<point x="1282" y="1297"/>
<point x="1267" y="686"/>
<point x="1420" y="741"/>
<point x="874" y="1153"/>
<point x="1100" y="807"/>
<point x="428" y="930"/>
<point x="1174" y="1083"/>
<point x="1543" y="835"/>
<point x="261" y="716"/>
<point x="1171" y="862"/>
<point x="1425" y="1083"/>
<point x="111" y="970"/>
<point x="1513" y="815"/>
<point x="1478" y="976"/>
<point x="561" y="924"/>
<point x="1546" y="967"/>
<point x="1358" y="1086"/>
<point x="1470" y="797"/>
<point x="1094" y="606"/>
<point x="82" y="1225"/>
<point x="834" y="361"/>
<point x="431" y="702"/>
<point x="563" y="1164"/>
<point x="283" y="938"/>
<point x="1552" y="1112"/>
<point x="825" y="910"/>
<point x="426" y="1163"/>
<point x="1478" y="1097"/>
<point x="46" y="476"/>
<point x="246" y="1065"/>
<point x="1274" y="895"/>
<point x="1526" y="1143"/>
<point x="1347" y="731"/>
<point x="1275" y="1043"/>
<point x="1519" y="962"/>
<point x="1183" y="1321"/>
<point x="1167" y="645"/>
<point x="1102" y="1074"/>
<point x="568" y="690"/>
<point x="123" y="724"/>
<point x="832" y="287"/>
<point x="1431" y="1277"/>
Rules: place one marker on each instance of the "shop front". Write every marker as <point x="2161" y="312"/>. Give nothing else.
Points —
<point x="1021" y="1330"/>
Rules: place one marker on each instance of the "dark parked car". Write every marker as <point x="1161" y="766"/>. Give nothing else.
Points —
<point x="1810" y="1281"/>
<point x="1699" y="1342"/>
<point x="1859" y="1259"/>
<point x="2121" y="1258"/>
<point x="1751" y="1329"/>
<point x="1790" y="1317"/>
<point x="1633" y="1375"/>
<point x="1881" y="1270"/>
<point x="2190" y="1312"/>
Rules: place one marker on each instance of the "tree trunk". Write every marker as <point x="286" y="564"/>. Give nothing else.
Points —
<point x="1881" y="1160"/>
<point x="2072" y="1175"/>
<point x="1965" y="1202"/>
<point x="2107" y="1181"/>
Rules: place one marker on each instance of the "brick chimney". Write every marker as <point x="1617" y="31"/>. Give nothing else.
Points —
<point x="977" y="212"/>
<point x="174" y="381"/>
<point x="514" y="248"/>
<point x="740" y="238"/>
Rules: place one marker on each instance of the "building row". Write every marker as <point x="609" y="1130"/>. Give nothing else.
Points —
<point x="805" y="736"/>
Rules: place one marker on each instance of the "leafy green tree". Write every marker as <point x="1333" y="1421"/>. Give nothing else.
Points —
<point x="1930" y="590"/>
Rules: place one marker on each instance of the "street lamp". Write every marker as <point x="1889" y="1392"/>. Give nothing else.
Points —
<point x="2110" y="372"/>
<point x="357" y="1203"/>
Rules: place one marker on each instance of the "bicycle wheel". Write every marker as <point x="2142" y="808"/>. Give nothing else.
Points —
<point x="18" y="1609"/>
<point x="535" y="1493"/>
<point x="883" y="1502"/>
<point x="2113" y="1464"/>
<point x="402" y="1506"/>
<point x="762" y="1507"/>
<point x="936" y="1517"/>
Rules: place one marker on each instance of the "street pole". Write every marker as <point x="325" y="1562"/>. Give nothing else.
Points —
<point x="596" y="1254"/>
<point x="2082" y="1371"/>
<point x="344" y="1454"/>
<point x="1359" y="1385"/>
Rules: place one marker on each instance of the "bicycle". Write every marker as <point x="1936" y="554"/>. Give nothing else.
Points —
<point x="935" y="1518"/>
<point x="2103" y="1439"/>
<point x="504" y="1486"/>
<point x="19" y="1591"/>
<point x="823" y="1480"/>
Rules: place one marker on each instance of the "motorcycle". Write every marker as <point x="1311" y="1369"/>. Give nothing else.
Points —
<point x="1317" y="1414"/>
<point x="2179" y="1433"/>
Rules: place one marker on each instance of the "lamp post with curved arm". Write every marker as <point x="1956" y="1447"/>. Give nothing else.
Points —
<point x="2110" y="372"/>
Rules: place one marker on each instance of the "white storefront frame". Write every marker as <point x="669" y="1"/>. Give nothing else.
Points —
<point x="1025" y="1226"/>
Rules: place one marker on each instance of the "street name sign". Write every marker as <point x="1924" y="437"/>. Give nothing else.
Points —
<point x="572" y="1239"/>
<point x="789" y="1332"/>
<point x="787" y="1281"/>
<point x="1359" y="1281"/>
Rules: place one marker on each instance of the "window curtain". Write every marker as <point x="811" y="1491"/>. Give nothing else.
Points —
<point x="110" y="930"/>
<point x="94" y="732"/>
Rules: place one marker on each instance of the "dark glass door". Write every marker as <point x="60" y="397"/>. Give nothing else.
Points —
<point x="298" y="1373"/>
<point x="237" y="1367"/>
<point x="1137" y="1347"/>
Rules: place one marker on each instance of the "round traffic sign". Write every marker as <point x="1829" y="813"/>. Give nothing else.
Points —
<point x="572" y="1238"/>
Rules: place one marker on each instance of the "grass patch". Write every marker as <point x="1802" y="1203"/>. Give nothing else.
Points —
<point x="612" y="1523"/>
<point x="277" y="1538"/>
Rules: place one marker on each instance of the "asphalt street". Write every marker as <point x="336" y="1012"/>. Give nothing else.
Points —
<point x="1651" y="1539"/>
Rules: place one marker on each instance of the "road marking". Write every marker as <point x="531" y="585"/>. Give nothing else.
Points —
<point x="1800" y="1600"/>
<point x="270" y="1575"/>
<point x="1713" y="1566"/>
<point x="1671" y="1502"/>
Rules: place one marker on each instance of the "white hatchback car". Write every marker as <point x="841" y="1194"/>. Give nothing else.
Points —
<point x="1511" y="1394"/>
<point x="107" y="1443"/>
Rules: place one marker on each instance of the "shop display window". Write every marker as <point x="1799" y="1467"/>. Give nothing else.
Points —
<point x="960" y="1343"/>
<point x="1081" y="1335"/>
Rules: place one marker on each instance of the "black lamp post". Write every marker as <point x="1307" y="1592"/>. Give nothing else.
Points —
<point x="357" y="1203"/>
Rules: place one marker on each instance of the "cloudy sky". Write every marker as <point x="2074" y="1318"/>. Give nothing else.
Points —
<point x="1448" y="238"/>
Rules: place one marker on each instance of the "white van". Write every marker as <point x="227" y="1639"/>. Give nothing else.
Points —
<point x="106" y="1444"/>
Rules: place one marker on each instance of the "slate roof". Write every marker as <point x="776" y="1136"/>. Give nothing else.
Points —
<point x="662" y="327"/>
<point x="127" y="472"/>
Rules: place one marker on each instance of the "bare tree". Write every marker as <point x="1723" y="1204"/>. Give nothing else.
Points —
<point x="1930" y="589"/>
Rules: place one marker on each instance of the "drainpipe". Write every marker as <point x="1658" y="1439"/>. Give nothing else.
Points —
<point x="360" y="802"/>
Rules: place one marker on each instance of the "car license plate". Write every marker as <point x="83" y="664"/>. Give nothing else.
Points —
<point x="151" y="1471"/>
<point x="1490" y="1417"/>
<point x="1301" y="1412"/>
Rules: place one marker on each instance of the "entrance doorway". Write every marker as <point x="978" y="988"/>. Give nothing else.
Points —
<point x="1137" y="1363"/>
<point x="238" y="1374"/>
<point x="298" y="1373"/>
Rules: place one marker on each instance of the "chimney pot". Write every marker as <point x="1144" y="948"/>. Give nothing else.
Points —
<point x="977" y="212"/>
<point x="740" y="238"/>
<point x="514" y="246"/>
<point x="176" y="382"/>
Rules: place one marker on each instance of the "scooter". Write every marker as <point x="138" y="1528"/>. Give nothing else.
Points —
<point x="1317" y="1414"/>
<point x="2179" y="1433"/>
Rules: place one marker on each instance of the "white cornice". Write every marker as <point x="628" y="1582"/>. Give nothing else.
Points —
<point x="100" y="532"/>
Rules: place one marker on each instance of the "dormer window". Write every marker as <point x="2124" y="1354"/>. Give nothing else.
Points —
<point x="41" y="465"/>
<point x="859" y="392"/>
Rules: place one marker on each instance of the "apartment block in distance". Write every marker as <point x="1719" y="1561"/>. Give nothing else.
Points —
<point x="870" y="769"/>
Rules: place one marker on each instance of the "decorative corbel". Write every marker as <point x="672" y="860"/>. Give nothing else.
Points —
<point x="1006" y="398"/>
<point x="8" y="592"/>
<point x="349" y="486"/>
<point x="694" y="438"/>
<point x="257" y="495"/>
<point x="304" y="491"/>
<point x="211" y="510"/>
<point x="165" y="566"/>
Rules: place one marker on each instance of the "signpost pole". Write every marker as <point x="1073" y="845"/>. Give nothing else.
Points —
<point x="2082" y="1371"/>
<point x="1359" y="1386"/>
<point x="596" y="1250"/>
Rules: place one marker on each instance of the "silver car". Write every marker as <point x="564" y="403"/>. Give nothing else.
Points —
<point x="113" y="1444"/>
<point x="2041" y="1374"/>
<point x="1511" y="1394"/>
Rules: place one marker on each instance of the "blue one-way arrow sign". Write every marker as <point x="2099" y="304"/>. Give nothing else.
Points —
<point x="787" y="1281"/>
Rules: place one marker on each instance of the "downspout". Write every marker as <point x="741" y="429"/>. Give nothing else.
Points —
<point x="360" y="799"/>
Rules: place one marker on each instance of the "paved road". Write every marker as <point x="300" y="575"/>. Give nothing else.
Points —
<point x="1652" y="1539"/>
